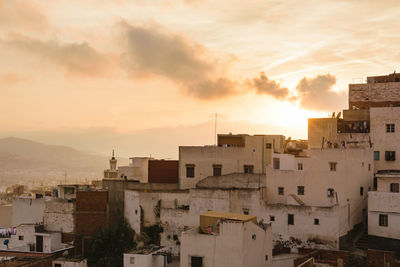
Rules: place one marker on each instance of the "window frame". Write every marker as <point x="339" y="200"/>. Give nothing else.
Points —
<point x="190" y="166"/>
<point x="390" y="155"/>
<point x="248" y="169"/>
<point x="300" y="190"/>
<point x="281" y="190"/>
<point x="332" y="166"/>
<point x="394" y="187"/>
<point x="217" y="169"/>
<point x="300" y="166"/>
<point x="390" y="127"/>
<point x="276" y="163"/>
<point x="383" y="220"/>
<point x="290" y="219"/>
<point x="377" y="155"/>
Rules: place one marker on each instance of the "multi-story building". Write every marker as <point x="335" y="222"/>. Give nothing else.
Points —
<point x="239" y="153"/>
<point x="227" y="239"/>
<point x="384" y="212"/>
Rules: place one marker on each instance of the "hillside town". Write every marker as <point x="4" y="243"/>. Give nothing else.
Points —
<point x="248" y="200"/>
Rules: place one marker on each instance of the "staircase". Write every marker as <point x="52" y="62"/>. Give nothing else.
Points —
<point x="362" y="242"/>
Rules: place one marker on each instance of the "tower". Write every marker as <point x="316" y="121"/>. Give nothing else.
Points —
<point x="113" y="162"/>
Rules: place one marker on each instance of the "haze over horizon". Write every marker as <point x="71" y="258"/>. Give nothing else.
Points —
<point x="143" y="77"/>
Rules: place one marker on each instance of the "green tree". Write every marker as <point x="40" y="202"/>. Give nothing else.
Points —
<point x="109" y="245"/>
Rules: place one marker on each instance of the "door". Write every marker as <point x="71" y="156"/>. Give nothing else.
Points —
<point x="39" y="243"/>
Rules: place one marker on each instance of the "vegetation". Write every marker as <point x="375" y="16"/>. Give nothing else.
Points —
<point x="109" y="245"/>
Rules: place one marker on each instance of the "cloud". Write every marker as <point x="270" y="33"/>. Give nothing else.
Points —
<point x="11" y="78"/>
<point x="76" y="58"/>
<point x="263" y="85"/>
<point x="149" y="51"/>
<point x="22" y="15"/>
<point x="317" y="94"/>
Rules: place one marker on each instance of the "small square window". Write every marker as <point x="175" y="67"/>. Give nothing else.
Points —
<point x="300" y="190"/>
<point x="390" y="128"/>
<point x="290" y="219"/>
<point x="361" y="191"/>
<point x="217" y="170"/>
<point x="268" y="145"/>
<point x="300" y="166"/>
<point x="383" y="220"/>
<point x="376" y="155"/>
<point x="271" y="218"/>
<point x="190" y="170"/>
<point x="316" y="221"/>
<point x="132" y="260"/>
<point x="20" y="237"/>
<point x="248" y="168"/>
<point x="332" y="166"/>
<point x="280" y="190"/>
<point x="254" y="237"/>
<point x="394" y="187"/>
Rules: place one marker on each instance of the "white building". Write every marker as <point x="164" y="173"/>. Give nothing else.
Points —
<point x="146" y="257"/>
<point x="237" y="243"/>
<point x="384" y="212"/>
<point x="70" y="262"/>
<point x="234" y="154"/>
<point x="32" y="238"/>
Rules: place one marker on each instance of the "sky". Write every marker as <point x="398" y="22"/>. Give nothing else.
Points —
<point x="145" y="76"/>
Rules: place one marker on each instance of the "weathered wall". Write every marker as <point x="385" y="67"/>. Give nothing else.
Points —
<point x="6" y="215"/>
<point x="142" y="260"/>
<point x="374" y="94"/>
<point x="59" y="215"/>
<point x="27" y="210"/>
<point x="91" y="211"/>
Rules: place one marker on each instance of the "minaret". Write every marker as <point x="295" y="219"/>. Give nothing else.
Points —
<point x="113" y="162"/>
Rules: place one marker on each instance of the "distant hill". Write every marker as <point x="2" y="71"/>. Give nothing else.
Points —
<point x="22" y="159"/>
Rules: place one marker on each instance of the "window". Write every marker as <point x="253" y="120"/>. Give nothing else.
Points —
<point x="290" y="219"/>
<point x="383" y="220"/>
<point x="369" y="166"/>
<point x="246" y="211"/>
<point x="271" y="218"/>
<point x="254" y="237"/>
<point x="20" y="237"/>
<point x="300" y="190"/>
<point x="266" y="257"/>
<point x="268" y="145"/>
<point x="277" y="164"/>
<point x="217" y="170"/>
<point x="196" y="261"/>
<point x="376" y="155"/>
<point x="332" y="166"/>
<point x="394" y="188"/>
<point x="361" y="191"/>
<point x="300" y="166"/>
<point x="248" y="168"/>
<point x="390" y="155"/>
<point x="280" y="190"/>
<point x="132" y="260"/>
<point x="57" y="264"/>
<point x="316" y="221"/>
<point x="390" y="128"/>
<point x="190" y="170"/>
<point x="331" y="192"/>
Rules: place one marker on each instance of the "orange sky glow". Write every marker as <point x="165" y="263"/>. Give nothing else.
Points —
<point x="147" y="76"/>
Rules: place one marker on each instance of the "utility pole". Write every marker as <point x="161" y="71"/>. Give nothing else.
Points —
<point x="215" y="129"/>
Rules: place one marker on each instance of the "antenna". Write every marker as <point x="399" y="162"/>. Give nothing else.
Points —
<point x="215" y="129"/>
